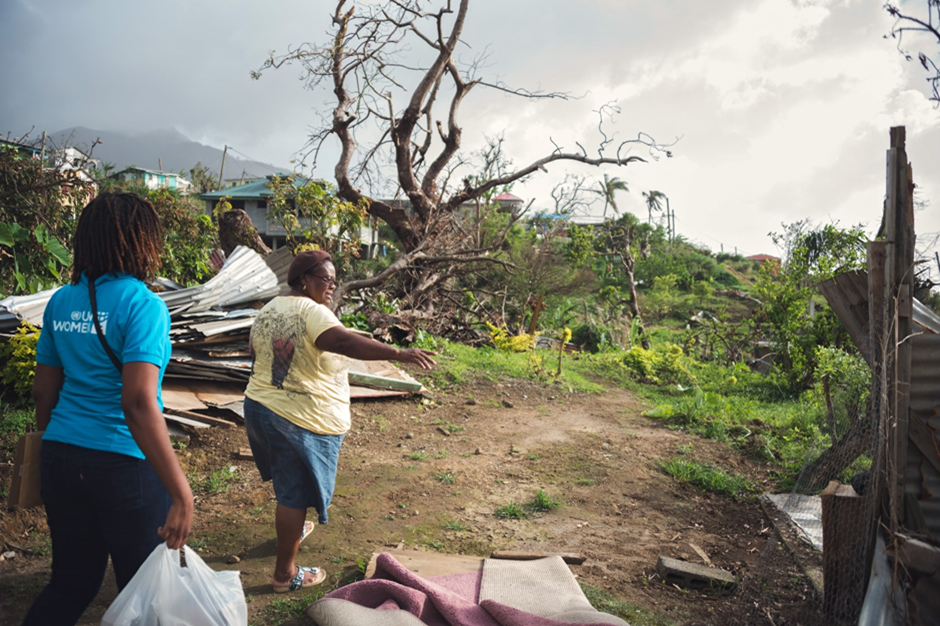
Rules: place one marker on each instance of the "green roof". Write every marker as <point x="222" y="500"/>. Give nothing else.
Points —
<point x="251" y="191"/>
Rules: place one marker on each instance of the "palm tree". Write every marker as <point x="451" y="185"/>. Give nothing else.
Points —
<point x="607" y="189"/>
<point x="654" y="202"/>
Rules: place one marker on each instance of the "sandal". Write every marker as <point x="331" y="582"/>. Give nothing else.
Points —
<point x="308" y="528"/>
<point x="297" y="582"/>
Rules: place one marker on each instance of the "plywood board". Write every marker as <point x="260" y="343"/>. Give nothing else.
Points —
<point x="428" y="564"/>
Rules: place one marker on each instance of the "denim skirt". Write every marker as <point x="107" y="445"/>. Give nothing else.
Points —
<point x="300" y="463"/>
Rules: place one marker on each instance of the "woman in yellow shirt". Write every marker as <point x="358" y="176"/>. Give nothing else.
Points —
<point x="297" y="403"/>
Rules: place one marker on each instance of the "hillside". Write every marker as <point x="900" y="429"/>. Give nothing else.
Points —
<point x="177" y="152"/>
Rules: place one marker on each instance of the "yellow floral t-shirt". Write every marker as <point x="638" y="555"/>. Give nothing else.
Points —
<point x="290" y="375"/>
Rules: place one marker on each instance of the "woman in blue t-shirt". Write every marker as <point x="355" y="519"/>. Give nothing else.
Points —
<point x="111" y="483"/>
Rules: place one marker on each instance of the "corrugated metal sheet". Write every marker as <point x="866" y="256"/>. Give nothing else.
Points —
<point x="925" y="373"/>
<point x="244" y="277"/>
<point x="922" y="479"/>
<point x="847" y="294"/>
<point x="24" y="308"/>
<point x="279" y="262"/>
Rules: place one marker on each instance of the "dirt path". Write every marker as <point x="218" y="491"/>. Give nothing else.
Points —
<point x="432" y="473"/>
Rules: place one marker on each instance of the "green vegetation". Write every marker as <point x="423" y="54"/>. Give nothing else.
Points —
<point x="446" y="478"/>
<point x="635" y="615"/>
<point x="455" y="525"/>
<point x="215" y="482"/>
<point x="14" y="423"/>
<point x="511" y="510"/>
<point x="543" y="502"/>
<point x="417" y="456"/>
<point x="708" y="478"/>
<point x="290" y="608"/>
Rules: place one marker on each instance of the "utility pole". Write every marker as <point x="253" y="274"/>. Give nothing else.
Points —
<point x="160" y="163"/>
<point x="222" y="169"/>
<point x="42" y="153"/>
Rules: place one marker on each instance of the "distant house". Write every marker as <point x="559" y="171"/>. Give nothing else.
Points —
<point x="253" y="199"/>
<point x="509" y="203"/>
<point x="762" y="258"/>
<point x="153" y="179"/>
<point x="20" y="148"/>
<point x="75" y="161"/>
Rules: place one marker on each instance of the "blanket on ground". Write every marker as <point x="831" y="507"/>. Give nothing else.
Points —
<point x="506" y="593"/>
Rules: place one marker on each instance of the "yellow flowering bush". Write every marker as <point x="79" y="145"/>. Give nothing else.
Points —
<point x="510" y="343"/>
<point x="18" y="356"/>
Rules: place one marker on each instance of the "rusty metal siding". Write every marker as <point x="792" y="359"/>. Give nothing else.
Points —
<point x="922" y="479"/>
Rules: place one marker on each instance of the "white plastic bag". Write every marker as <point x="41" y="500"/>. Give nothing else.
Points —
<point x="163" y="593"/>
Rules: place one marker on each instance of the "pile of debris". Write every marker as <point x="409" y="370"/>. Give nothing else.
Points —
<point x="210" y="364"/>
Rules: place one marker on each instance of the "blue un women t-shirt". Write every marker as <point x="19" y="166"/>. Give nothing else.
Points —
<point x="135" y="323"/>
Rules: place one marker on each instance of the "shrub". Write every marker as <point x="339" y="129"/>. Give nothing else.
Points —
<point x="19" y="361"/>
<point x="592" y="337"/>
<point x="657" y="366"/>
<point x="506" y="343"/>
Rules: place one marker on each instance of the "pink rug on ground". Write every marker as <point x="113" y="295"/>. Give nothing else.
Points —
<point x="440" y="601"/>
<point x="450" y="600"/>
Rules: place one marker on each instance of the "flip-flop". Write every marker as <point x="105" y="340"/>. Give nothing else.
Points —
<point x="308" y="528"/>
<point x="297" y="582"/>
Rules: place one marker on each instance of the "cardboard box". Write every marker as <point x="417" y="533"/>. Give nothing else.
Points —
<point x="24" y="490"/>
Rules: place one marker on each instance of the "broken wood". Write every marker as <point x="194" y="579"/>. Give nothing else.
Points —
<point x="382" y="382"/>
<point x="185" y="421"/>
<point x="197" y="417"/>
<point x="701" y="553"/>
<point x="915" y="554"/>
<point x="244" y="454"/>
<point x="570" y="559"/>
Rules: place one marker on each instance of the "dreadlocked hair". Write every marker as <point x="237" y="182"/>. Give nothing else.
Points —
<point x="117" y="233"/>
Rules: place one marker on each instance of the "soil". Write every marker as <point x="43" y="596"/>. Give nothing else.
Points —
<point x="431" y="472"/>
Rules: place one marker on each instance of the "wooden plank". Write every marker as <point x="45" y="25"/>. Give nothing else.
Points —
<point x="205" y="419"/>
<point x="570" y="559"/>
<point x="916" y="554"/>
<point x="244" y="454"/>
<point x="428" y="564"/>
<point x="381" y="382"/>
<point x="185" y="421"/>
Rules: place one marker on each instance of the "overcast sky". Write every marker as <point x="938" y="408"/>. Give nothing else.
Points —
<point x="781" y="107"/>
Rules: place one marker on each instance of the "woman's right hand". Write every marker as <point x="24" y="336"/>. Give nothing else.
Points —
<point x="416" y="356"/>
<point x="179" y="521"/>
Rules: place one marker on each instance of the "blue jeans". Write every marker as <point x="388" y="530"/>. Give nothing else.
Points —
<point x="301" y="463"/>
<point x="97" y="504"/>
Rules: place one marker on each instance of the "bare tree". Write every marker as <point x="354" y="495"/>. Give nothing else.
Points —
<point x="379" y="54"/>
<point x="907" y="24"/>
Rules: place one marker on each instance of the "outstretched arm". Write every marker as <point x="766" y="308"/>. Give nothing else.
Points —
<point x="341" y="341"/>
<point x="139" y="401"/>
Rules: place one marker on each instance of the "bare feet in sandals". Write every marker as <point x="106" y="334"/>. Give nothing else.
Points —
<point x="305" y="577"/>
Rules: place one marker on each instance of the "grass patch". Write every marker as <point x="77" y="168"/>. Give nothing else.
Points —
<point x="446" y="478"/>
<point x="543" y="502"/>
<point x="511" y="511"/>
<point x="635" y="615"/>
<point x="455" y="525"/>
<point x="285" y="609"/>
<point x="417" y="456"/>
<point x="215" y="482"/>
<point x="458" y="363"/>
<point x="707" y="478"/>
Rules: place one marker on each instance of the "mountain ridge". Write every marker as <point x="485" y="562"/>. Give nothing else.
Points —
<point x="152" y="148"/>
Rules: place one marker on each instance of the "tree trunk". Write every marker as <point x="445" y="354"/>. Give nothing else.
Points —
<point x="628" y="264"/>
<point x="856" y="442"/>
